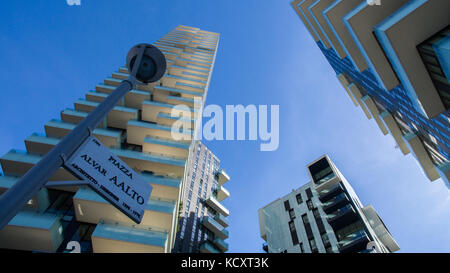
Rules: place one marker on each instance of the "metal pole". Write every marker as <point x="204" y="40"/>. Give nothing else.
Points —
<point x="15" y="198"/>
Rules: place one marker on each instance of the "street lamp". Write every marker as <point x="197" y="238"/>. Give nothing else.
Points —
<point x="146" y="64"/>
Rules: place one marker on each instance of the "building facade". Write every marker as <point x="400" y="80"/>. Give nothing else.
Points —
<point x="323" y="216"/>
<point x="203" y="220"/>
<point x="138" y="130"/>
<point x="393" y="61"/>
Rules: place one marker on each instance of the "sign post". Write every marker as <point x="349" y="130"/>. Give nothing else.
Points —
<point x="111" y="178"/>
<point x="146" y="64"/>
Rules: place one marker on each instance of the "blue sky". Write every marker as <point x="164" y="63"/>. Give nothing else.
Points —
<point x="52" y="53"/>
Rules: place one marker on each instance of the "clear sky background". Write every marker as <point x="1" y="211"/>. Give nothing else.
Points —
<point x="52" y="53"/>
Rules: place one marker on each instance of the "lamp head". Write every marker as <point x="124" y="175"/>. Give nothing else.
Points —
<point x="152" y="65"/>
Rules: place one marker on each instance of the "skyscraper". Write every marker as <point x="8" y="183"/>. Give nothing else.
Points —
<point x="138" y="130"/>
<point x="324" y="215"/>
<point x="203" y="221"/>
<point x="392" y="58"/>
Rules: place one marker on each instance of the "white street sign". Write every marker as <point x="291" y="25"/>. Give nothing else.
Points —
<point x="111" y="178"/>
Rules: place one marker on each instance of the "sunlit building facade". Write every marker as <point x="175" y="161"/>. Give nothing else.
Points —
<point x="393" y="60"/>
<point x="323" y="216"/>
<point x="138" y="130"/>
<point x="203" y="220"/>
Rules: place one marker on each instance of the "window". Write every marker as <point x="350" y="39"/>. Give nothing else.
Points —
<point x="312" y="244"/>
<point x="310" y="204"/>
<point x="329" y="249"/>
<point x="316" y="213"/>
<point x="325" y="239"/>
<point x="302" y="250"/>
<point x="291" y="213"/>
<point x="305" y="219"/>
<point x="308" y="193"/>
<point x="299" y="198"/>
<point x="287" y="206"/>
<point x="293" y="233"/>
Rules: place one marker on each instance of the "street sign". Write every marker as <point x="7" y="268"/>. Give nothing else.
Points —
<point x="110" y="177"/>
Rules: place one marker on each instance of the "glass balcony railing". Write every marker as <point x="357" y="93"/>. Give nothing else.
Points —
<point x="339" y="212"/>
<point x="352" y="238"/>
<point x="325" y="178"/>
<point x="366" y="251"/>
<point x="207" y="247"/>
<point x="215" y="227"/>
<point x="221" y="244"/>
<point x="335" y="200"/>
<point x="221" y="219"/>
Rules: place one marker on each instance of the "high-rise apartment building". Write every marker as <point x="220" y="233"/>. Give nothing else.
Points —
<point x="138" y="130"/>
<point x="323" y="216"/>
<point x="393" y="60"/>
<point x="203" y="221"/>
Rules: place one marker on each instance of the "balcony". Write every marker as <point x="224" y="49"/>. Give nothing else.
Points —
<point x="110" y="237"/>
<point x="75" y="117"/>
<point x="180" y="100"/>
<point x="335" y="203"/>
<point x="329" y="193"/>
<point x="354" y="242"/>
<point x="161" y="113"/>
<point x="402" y="53"/>
<point x="222" y="177"/>
<point x="213" y="203"/>
<point x="358" y="94"/>
<point x="120" y="75"/>
<point x="190" y="87"/>
<point x="172" y="81"/>
<point x="188" y="55"/>
<point x="58" y="129"/>
<point x="342" y="217"/>
<point x="39" y="202"/>
<point x="380" y="229"/>
<point x="168" y="48"/>
<point x="32" y="231"/>
<point x="117" y="118"/>
<point x="164" y="91"/>
<point x="143" y="87"/>
<point x="345" y="83"/>
<point x="178" y="70"/>
<point x="17" y="163"/>
<point x="222" y="193"/>
<point x="322" y="173"/>
<point x="165" y="188"/>
<point x="417" y="148"/>
<point x="221" y="244"/>
<point x="215" y="227"/>
<point x="158" y="164"/>
<point x="360" y="24"/>
<point x="137" y="131"/>
<point x="90" y="207"/>
<point x="370" y="105"/>
<point x="165" y="147"/>
<point x="222" y="220"/>
<point x="394" y="130"/>
<point x="323" y="179"/>
<point x="334" y="14"/>
<point x="207" y="247"/>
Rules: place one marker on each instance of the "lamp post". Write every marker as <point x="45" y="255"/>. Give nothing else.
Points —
<point x="146" y="64"/>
